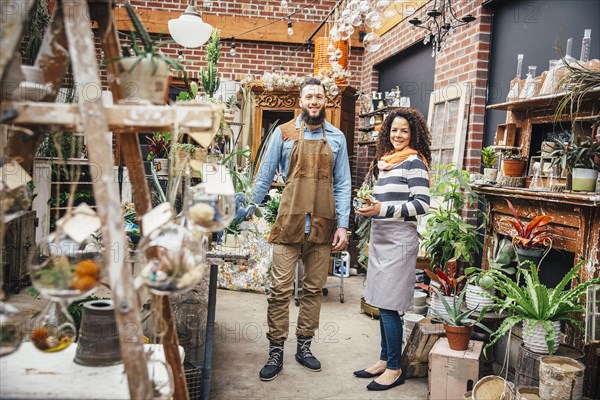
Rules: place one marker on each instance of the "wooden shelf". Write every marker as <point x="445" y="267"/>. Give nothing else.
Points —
<point x="121" y="118"/>
<point x="539" y="102"/>
<point x="378" y="111"/>
<point x="367" y="142"/>
<point x="366" y="128"/>
<point x="583" y="198"/>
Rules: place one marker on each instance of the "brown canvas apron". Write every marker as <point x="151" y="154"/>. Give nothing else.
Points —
<point x="308" y="191"/>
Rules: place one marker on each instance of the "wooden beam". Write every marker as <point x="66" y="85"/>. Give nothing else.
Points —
<point x="156" y="21"/>
<point x="14" y="15"/>
<point x="95" y="124"/>
<point x="401" y="9"/>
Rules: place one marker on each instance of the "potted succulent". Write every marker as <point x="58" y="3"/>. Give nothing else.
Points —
<point x="513" y="164"/>
<point x="159" y="145"/>
<point x="531" y="240"/>
<point x="489" y="160"/>
<point x="480" y="282"/>
<point x="457" y="322"/>
<point x="579" y="157"/>
<point x="538" y="307"/>
<point x="145" y="76"/>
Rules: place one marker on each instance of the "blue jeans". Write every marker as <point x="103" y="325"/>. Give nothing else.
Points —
<point x="390" y="324"/>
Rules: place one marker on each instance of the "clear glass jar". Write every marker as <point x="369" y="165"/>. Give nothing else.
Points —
<point x="210" y="212"/>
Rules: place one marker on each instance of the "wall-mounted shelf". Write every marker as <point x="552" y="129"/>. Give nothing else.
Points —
<point x="539" y="102"/>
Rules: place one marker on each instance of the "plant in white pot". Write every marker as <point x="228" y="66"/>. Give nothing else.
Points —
<point x="489" y="159"/>
<point x="445" y="285"/>
<point x="145" y="76"/>
<point x="541" y="309"/>
<point x="579" y="156"/>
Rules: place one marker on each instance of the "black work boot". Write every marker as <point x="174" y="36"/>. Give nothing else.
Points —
<point x="274" y="363"/>
<point x="304" y="356"/>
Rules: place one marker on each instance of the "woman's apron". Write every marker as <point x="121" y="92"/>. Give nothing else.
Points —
<point x="308" y="191"/>
<point x="393" y="252"/>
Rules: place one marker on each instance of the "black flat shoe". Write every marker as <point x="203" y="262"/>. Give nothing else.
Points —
<point x="378" y="387"/>
<point x="364" y="374"/>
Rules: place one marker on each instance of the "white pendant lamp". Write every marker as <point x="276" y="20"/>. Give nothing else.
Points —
<point x="189" y="30"/>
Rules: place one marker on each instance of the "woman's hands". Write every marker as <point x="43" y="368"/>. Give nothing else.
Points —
<point x="371" y="210"/>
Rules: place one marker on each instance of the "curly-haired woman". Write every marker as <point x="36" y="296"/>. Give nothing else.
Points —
<point x="401" y="192"/>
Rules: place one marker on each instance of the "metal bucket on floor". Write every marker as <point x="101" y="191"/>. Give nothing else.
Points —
<point x="98" y="344"/>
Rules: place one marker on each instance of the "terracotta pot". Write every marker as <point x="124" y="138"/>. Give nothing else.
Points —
<point x="513" y="167"/>
<point x="458" y="336"/>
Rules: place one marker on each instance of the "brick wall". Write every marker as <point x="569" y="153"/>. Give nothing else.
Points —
<point x="465" y="61"/>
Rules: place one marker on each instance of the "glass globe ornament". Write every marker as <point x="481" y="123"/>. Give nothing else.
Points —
<point x="372" y="42"/>
<point x="364" y="7"/>
<point x="330" y="48"/>
<point x="353" y="6"/>
<point x="210" y="212"/>
<point x="64" y="269"/>
<point x="15" y="200"/>
<point x="389" y="13"/>
<point x="373" y="20"/>
<point x="334" y="33"/>
<point x="345" y="14"/>
<point x="333" y="90"/>
<point x="357" y="20"/>
<point x="174" y="259"/>
<point x="11" y="329"/>
<point x="54" y="329"/>
<point x="347" y="32"/>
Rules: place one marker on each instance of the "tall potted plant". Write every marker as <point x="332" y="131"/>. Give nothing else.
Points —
<point x="159" y="145"/>
<point x="145" y="76"/>
<point x="531" y="240"/>
<point x="538" y="307"/>
<point x="489" y="160"/>
<point x="457" y="322"/>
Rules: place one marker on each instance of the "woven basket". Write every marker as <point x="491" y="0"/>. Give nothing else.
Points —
<point x="322" y="57"/>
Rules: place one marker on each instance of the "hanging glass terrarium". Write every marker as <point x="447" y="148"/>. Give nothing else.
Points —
<point x="11" y="329"/>
<point x="174" y="259"/>
<point x="210" y="212"/>
<point x="64" y="269"/>
<point x="54" y="329"/>
<point x="15" y="193"/>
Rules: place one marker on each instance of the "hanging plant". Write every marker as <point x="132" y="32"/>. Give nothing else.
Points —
<point x="35" y="33"/>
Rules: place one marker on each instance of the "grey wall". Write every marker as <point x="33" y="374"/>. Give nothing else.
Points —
<point x="534" y="28"/>
<point x="412" y="69"/>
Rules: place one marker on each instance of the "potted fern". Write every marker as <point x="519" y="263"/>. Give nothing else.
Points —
<point x="145" y="76"/>
<point x="457" y="322"/>
<point x="489" y="160"/>
<point x="540" y="308"/>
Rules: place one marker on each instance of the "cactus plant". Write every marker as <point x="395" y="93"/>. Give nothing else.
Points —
<point x="210" y="76"/>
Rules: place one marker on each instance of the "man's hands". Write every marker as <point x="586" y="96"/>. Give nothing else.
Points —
<point x="371" y="210"/>
<point x="339" y="239"/>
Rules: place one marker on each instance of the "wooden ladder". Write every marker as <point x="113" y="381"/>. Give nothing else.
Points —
<point x="70" y="37"/>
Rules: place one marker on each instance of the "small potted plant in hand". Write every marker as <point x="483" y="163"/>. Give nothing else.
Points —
<point x="531" y="240"/>
<point x="457" y="322"/>
<point x="489" y="159"/>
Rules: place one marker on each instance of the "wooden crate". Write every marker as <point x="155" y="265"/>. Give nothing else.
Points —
<point x="452" y="372"/>
<point x="506" y="135"/>
<point x="415" y="355"/>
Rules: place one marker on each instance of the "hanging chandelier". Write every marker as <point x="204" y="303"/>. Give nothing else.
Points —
<point x="441" y="22"/>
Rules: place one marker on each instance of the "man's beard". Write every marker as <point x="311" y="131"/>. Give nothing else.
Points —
<point x="313" y="121"/>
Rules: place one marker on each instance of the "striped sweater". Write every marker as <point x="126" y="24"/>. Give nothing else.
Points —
<point x="403" y="191"/>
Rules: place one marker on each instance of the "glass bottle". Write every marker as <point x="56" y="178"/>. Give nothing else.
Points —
<point x="515" y="83"/>
<point x="536" y="181"/>
<point x="552" y="178"/>
<point x="586" y="43"/>
<point x="530" y="87"/>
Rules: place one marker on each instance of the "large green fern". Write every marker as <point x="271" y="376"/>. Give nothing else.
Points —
<point x="535" y="301"/>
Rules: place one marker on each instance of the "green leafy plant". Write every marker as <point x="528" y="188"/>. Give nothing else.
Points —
<point x="40" y="18"/>
<point x="488" y="157"/>
<point x="447" y="282"/>
<point x="577" y="152"/>
<point x="150" y="47"/>
<point x="531" y="235"/>
<point x="272" y="206"/>
<point x="503" y="262"/>
<point x="159" y="145"/>
<point x="535" y="301"/>
<point x="190" y="93"/>
<point x="232" y="102"/>
<point x="210" y="76"/>
<point x="456" y="315"/>
<point x="578" y="82"/>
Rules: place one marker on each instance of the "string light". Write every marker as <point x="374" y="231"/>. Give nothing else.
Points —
<point x="181" y="57"/>
<point x="232" y="52"/>
<point x="290" y="30"/>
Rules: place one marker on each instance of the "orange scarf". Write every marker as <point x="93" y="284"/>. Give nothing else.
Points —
<point x="395" y="158"/>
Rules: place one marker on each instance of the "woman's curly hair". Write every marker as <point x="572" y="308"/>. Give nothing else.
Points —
<point x="420" y="138"/>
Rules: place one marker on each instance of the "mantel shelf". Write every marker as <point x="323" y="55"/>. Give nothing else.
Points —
<point x="122" y="117"/>
<point x="378" y="111"/>
<point x="539" y="102"/>
<point x="589" y="200"/>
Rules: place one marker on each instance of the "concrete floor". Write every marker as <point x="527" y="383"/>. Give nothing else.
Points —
<point x="346" y="341"/>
